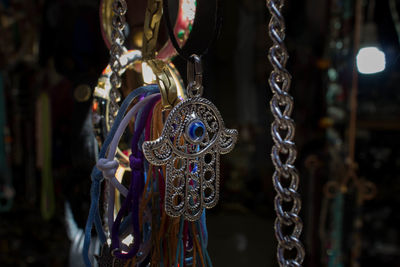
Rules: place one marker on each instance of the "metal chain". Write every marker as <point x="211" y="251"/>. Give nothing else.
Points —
<point x="283" y="151"/>
<point x="151" y="27"/>
<point x="116" y="51"/>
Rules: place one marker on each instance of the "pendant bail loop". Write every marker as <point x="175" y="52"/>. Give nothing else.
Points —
<point x="194" y="76"/>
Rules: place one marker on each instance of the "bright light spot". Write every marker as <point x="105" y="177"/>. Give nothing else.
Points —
<point x="128" y="240"/>
<point x="148" y="74"/>
<point x="370" y="60"/>
<point x="189" y="10"/>
<point x="124" y="60"/>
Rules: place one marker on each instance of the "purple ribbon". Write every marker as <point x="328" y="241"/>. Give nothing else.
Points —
<point x="131" y="202"/>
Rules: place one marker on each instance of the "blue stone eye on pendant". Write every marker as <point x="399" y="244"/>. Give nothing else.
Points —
<point x="192" y="140"/>
<point x="196" y="131"/>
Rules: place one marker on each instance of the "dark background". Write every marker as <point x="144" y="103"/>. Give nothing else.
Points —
<point x="56" y="46"/>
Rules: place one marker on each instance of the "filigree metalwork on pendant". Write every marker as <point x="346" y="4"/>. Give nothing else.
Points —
<point x="190" y="145"/>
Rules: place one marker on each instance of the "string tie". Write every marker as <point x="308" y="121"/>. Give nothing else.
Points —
<point x="107" y="167"/>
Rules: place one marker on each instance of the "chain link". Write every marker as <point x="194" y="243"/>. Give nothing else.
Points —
<point x="285" y="178"/>
<point x="116" y="50"/>
<point x="151" y="26"/>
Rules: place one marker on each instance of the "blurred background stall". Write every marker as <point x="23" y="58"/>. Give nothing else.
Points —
<point x="52" y="53"/>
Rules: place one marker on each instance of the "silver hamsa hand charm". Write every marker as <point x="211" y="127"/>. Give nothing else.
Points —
<point x="193" y="137"/>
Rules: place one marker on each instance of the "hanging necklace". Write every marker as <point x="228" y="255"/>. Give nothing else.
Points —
<point x="281" y="108"/>
<point x="190" y="144"/>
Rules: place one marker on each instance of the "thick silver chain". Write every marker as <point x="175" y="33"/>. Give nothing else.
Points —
<point x="288" y="225"/>
<point x="116" y="51"/>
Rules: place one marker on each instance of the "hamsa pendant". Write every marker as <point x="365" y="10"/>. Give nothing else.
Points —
<point x="193" y="137"/>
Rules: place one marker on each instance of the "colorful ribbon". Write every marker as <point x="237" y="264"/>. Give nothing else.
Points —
<point x="97" y="175"/>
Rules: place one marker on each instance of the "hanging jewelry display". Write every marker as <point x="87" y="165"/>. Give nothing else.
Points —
<point x="283" y="151"/>
<point x="182" y="248"/>
<point x="143" y="238"/>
